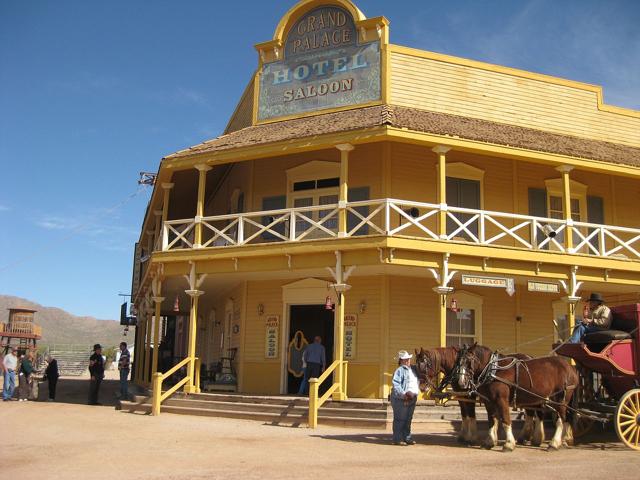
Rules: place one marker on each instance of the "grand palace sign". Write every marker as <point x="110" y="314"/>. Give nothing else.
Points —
<point x="324" y="67"/>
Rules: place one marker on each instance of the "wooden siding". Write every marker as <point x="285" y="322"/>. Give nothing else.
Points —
<point x="243" y="115"/>
<point x="457" y="89"/>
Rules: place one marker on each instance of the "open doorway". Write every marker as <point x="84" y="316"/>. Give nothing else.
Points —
<point x="307" y="322"/>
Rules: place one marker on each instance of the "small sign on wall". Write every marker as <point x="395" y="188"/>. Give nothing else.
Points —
<point x="543" y="287"/>
<point x="272" y="332"/>
<point x="350" y="335"/>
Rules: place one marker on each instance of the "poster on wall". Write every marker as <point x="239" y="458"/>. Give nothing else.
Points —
<point x="272" y="330"/>
<point x="350" y="334"/>
<point x="324" y="66"/>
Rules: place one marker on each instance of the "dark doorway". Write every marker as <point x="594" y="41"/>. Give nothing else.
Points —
<point x="307" y="321"/>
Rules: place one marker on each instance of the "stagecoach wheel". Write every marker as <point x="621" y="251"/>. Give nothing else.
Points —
<point x="628" y="419"/>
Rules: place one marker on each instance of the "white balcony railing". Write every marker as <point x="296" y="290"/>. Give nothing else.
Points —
<point x="395" y="218"/>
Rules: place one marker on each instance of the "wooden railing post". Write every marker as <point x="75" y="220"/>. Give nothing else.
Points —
<point x="190" y="386"/>
<point x="157" y="394"/>
<point x="566" y="200"/>
<point x="202" y="184"/>
<point x="344" y="148"/>
<point x="197" y="373"/>
<point x="313" y="402"/>
<point x="441" y="151"/>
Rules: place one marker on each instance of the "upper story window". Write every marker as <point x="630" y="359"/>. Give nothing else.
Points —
<point x="464" y="189"/>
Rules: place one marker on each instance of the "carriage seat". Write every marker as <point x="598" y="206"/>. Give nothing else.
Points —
<point x="605" y="336"/>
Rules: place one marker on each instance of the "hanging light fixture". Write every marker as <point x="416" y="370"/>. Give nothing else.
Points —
<point x="176" y="304"/>
<point x="453" y="306"/>
<point x="328" y="304"/>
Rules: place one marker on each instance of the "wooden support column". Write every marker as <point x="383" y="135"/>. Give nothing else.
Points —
<point x="441" y="151"/>
<point x="190" y="386"/>
<point x="166" y="187"/>
<point x="202" y="184"/>
<point x="566" y="202"/>
<point x="156" y="334"/>
<point x="343" y="198"/>
<point x="146" y="377"/>
<point x="137" y="352"/>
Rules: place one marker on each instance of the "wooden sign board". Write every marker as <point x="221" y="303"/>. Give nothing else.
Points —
<point x="272" y="332"/>
<point x="544" y="287"/>
<point x="350" y="335"/>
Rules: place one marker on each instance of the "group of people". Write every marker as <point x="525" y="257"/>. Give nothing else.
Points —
<point x="406" y="389"/>
<point x="22" y="369"/>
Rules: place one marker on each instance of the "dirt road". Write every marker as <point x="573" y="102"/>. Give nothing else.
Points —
<point x="69" y="440"/>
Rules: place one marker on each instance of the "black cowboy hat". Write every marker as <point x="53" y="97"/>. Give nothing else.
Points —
<point x="596" y="297"/>
<point x="97" y="346"/>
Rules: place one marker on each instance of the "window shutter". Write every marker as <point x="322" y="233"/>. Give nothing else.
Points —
<point x="273" y="203"/>
<point x="538" y="208"/>
<point x="595" y="214"/>
<point x="359" y="194"/>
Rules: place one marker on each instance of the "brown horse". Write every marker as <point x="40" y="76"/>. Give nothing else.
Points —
<point x="547" y="382"/>
<point x="430" y="363"/>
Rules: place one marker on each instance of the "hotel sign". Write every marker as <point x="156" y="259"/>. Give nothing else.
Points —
<point x="350" y="333"/>
<point x="496" y="282"/>
<point x="272" y="331"/>
<point x="543" y="287"/>
<point x="324" y="66"/>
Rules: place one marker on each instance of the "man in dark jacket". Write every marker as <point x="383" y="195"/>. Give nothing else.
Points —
<point x="52" y="374"/>
<point x="96" y="369"/>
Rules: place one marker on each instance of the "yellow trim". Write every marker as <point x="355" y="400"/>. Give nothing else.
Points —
<point x="304" y="6"/>
<point x="440" y="57"/>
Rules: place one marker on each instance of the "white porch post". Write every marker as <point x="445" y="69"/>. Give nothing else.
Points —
<point x="202" y="183"/>
<point x="343" y="197"/>
<point x="166" y="187"/>
<point x="441" y="151"/>
<point x="566" y="201"/>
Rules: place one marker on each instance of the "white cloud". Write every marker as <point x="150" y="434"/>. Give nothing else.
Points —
<point x="4" y="208"/>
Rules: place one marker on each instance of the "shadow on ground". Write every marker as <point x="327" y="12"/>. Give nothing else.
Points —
<point x="75" y="390"/>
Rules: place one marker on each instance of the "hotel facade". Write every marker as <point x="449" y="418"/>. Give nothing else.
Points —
<point x="383" y="198"/>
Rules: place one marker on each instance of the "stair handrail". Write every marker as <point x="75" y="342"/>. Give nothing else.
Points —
<point x="158" y="378"/>
<point x="316" y="402"/>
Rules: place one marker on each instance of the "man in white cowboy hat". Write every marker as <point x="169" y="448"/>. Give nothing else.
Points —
<point x="599" y="318"/>
<point x="403" y="399"/>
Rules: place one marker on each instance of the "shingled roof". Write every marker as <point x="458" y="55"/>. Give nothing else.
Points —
<point x="419" y="121"/>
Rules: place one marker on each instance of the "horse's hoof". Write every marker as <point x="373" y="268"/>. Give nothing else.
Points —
<point x="552" y="448"/>
<point x="521" y="441"/>
<point x="461" y="440"/>
<point x="536" y="444"/>
<point x="487" y="445"/>
<point x="508" y="447"/>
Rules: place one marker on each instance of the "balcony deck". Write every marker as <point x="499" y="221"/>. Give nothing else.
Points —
<point x="21" y="330"/>
<point x="405" y="219"/>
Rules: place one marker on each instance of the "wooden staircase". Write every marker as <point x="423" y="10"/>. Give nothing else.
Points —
<point x="292" y="411"/>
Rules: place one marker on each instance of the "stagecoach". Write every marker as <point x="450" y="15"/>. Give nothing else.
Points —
<point x="609" y="365"/>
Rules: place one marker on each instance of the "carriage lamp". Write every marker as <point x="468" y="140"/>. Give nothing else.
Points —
<point x="363" y="307"/>
<point x="328" y="304"/>
<point x="453" y="306"/>
<point x="176" y="304"/>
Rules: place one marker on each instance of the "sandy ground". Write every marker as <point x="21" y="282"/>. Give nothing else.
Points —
<point x="70" y="440"/>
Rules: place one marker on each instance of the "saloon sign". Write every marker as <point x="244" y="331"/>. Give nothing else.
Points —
<point x="324" y="66"/>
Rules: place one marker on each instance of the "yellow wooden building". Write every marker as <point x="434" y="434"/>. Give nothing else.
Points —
<point x="383" y="198"/>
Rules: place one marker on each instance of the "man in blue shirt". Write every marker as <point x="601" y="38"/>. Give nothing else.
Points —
<point x="315" y="358"/>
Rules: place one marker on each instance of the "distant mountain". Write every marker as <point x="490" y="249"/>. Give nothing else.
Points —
<point x="59" y="326"/>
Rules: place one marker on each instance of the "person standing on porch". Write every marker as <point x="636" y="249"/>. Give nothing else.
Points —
<point x="96" y="369"/>
<point x="403" y="399"/>
<point x="599" y="318"/>
<point x="26" y="369"/>
<point x="315" y="358"/>
<point x="124" y="366"/>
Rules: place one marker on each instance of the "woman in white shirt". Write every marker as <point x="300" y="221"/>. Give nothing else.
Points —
<point x="403" y="399"/>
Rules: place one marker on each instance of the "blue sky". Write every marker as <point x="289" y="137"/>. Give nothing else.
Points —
<point x="91" y="93"/>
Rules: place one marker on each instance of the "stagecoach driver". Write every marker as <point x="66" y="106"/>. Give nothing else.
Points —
<point x="598" y="318"/>
<point x="403" y="399"/>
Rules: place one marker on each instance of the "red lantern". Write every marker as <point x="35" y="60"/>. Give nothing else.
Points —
<point x="328" y="304"/>
<point x="454" y="305"/>
<point x="176" y="304"/>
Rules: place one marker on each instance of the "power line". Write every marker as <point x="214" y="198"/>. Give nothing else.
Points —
<point x="74" y="231"/>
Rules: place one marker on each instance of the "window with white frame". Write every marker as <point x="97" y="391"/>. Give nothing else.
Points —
<point x="465" y="325"/>
<point x="555" y="203"/>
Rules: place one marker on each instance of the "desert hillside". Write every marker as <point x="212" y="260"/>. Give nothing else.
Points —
<point x="59" y="326"/>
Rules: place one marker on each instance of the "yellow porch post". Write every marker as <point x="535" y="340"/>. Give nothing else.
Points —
<point x="147" y="346"/>
<point x="202" y="183"/>
<point x="138" y="358"/>
<point x="442" y="310"/>
<point x="340" y="394"/>
<point x="343" y="197"/>
<point x="566" y="200"/>
<point x="156" y="334"/>
<point x="441" y="151"/>
<point x="190" y="386"/>
<point x="140" y="354"/>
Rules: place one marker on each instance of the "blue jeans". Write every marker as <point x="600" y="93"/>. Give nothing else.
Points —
<point x="9" y="385"/>
<point x="304" y="384"/>
<point x="402" y="416"/>
<point x="580" y="330"/>
<point x="124" y="385"/>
